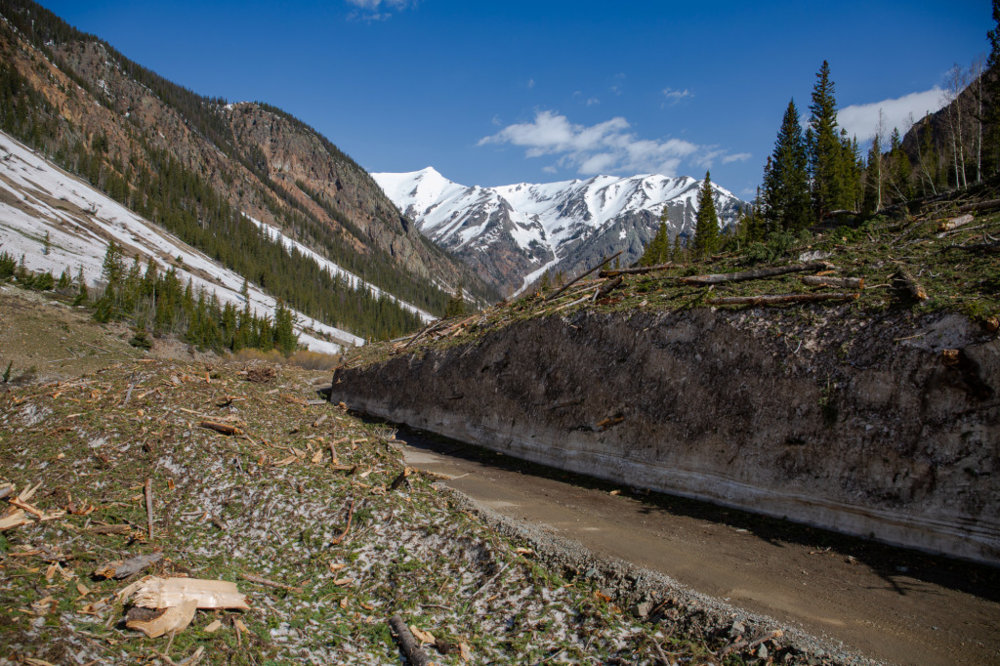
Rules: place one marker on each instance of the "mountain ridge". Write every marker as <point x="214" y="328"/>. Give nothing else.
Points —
<point x="195" y="164"/>
<point x="513" y="234"/>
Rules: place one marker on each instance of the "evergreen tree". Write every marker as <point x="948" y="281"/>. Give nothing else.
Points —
<point x="456" y="304"/>
<point x="284" y="330"/>
<point x="706" y="230"/>
<point x="786" y="178"/>
<point x="874" y="178"/>
<point x="899" y="170"/>
<point x="658" y="251"/>
<point x="112" y="267"/>
<point x="829" y="165"/>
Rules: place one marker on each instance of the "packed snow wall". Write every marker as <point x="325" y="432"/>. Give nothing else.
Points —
<point x="882" y="426"/>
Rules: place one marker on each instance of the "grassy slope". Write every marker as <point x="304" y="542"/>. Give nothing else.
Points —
<point x="272" y="503"/>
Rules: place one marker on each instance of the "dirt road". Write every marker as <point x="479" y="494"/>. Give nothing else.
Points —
<point x="896" y="605"/>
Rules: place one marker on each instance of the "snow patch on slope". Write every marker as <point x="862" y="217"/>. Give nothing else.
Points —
<point x="38" y="198"/>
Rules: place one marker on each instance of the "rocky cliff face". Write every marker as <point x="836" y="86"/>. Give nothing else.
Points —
<point x="874" y="426"/>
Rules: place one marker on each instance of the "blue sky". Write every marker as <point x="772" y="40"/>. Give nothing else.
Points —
<point x="493" y="93"/>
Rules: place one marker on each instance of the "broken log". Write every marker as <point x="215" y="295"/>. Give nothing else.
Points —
<point x="914" y="287"/>
<point x="155" y="592"/>
<point x="607" y="288"/>
<point x="582" y="275"/>
<point x="572" y="303"/>
<point x="831" y="281"/>
<point x="781" y="299"/>
<point x="223" y="428"/>
<point x="753" y="274"/>
<point x="637" y="270"/>
<point x="955" y="223"/>
<point x="125" y="568"/>
<point x="407" y="643"/>
<point x="980" y="206"/>
<point x="978" y="247"/>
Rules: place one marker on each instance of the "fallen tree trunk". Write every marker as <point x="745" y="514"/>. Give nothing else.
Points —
<point x="781" y="299"/>
<point x="583" y="275"/>
<point x="831" y="281"/>
<point x="407" y="643"/>
<point x="608" y="288"/>
<point x="955" y="223"/>
<point x="980" y="205"/>
<point x="754" y="274"/>
<point x="638" y="270"/>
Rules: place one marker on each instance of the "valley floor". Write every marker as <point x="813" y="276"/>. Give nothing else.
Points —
<point x="306" y="508"/>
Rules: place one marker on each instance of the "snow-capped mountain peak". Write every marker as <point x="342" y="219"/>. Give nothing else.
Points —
<point x="513" y="233"/>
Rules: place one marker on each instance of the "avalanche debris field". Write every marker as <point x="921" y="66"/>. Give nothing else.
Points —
<point x="307" y="509"/>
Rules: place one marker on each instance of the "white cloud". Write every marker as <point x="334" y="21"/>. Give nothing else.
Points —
<point x="592" y="101"/>
<point x="378" y="10"/>
<point x="531" y="83"/>
<point x="736" y="157"/>
<point x="861" y="120"/>
<point x="607" y="147"/>
<point x="674" y="96"/>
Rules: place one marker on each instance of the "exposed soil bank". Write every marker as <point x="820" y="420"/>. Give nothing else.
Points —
<point x="884" y="426"/>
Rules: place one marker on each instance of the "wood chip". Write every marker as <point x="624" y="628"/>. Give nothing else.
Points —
<point x="16" y="518"/>
<point x="123" y="569"/>
<point x="166" y="620"/>
<point x="212" y="627"/>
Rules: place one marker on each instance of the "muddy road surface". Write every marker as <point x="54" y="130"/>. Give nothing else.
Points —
<point x="892" y="604"/>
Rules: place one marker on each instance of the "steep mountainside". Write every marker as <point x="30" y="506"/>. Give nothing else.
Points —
<point x="955" y="146"/>
<point x="196" y="164"/>
<point x="513" y="234"/>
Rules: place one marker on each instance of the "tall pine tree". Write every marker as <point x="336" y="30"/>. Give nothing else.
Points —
<point x="831" y="159"/>
<point x="706" y="228"/>
<point x="786" y="178"/>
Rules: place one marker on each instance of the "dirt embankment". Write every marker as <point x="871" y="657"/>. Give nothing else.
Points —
<point x="884" y="425"/>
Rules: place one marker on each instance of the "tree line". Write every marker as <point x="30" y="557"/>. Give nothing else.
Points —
<point x="158" y="303"/>
<point x="817" y="173"/>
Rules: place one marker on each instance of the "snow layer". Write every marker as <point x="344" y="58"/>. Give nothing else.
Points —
<point x="38" y="198"/>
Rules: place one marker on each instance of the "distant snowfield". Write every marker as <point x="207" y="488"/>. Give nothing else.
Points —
<point x="37" y="197"/>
